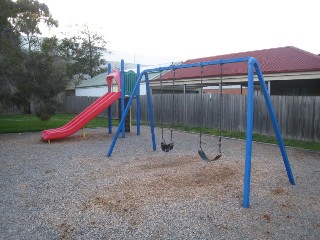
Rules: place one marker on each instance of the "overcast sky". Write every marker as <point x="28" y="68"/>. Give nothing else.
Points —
<point x="173" y="30"/>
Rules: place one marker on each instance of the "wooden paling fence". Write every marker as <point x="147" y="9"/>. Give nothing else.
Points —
<point x="298" y="116"/>
<point x="75" y="105"/>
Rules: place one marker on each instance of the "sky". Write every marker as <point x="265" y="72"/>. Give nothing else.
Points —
<point x="159" y="31"/>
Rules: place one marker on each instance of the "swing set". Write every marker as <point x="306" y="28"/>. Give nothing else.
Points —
<point x="253" y="66"/>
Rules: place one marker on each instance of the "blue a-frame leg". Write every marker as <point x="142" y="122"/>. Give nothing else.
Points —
<point x="254" y="65"/>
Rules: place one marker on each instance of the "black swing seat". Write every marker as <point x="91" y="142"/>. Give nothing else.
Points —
<point x="166" y="147"/>
<point x="204" y="157"/>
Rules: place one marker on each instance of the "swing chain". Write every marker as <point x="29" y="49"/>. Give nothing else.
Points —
<point x="220" y="110"/>
<point x="173" y="98"/>
<point x="166" y="147"/>
<point x="201" y="103"/>
<point x="161" y="91"/>
<point x="200" y="151"/>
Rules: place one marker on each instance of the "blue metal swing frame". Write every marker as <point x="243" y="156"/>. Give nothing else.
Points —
<point x="253" y="65"/>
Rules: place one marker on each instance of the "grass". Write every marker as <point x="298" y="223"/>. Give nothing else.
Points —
<point x="30" y="123"/>
<point x="242" y="135"/>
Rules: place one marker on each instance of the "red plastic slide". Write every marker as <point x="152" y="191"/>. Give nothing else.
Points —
<point x="82" y="119"/>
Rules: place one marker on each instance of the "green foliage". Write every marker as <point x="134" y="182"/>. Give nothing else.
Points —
<point x="43" y="69"/>
<point x="45" y="109"/>
<point x="83" y="54"/>
<point x="242" y="135"/>
<point x="92" y="47"/>
<point x="30" y="14"/>
<point x="20" y="70"/>
<point x="11" y="61"/>
<point x="46" y="77"/>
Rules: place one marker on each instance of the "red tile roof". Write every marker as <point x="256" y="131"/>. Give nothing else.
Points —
<point x="275" y="60"/>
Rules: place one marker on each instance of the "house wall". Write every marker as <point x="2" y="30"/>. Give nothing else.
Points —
<point x="100" y="91"/>
<point x="234" y="91"/>
<point x="143" y="89"/>
<point x="92" y="91"/>
<point x="296" y="87"/>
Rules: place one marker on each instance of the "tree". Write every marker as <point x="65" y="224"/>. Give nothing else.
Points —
<point x="86" y="51"/>
<point x="28" y="18"/>
<point x="22" y="19"/>
<point x="11" y="60"/>
<point x="92" y="48"/>
<point x="37" y="68"/>
<point x="68" y="50"/>
<point x="46" y="77"/>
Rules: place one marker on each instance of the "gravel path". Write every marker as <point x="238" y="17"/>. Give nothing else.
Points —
<point x="69" y="190"/>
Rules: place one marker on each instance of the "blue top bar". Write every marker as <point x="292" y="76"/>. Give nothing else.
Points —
<point x="198" y="64"/>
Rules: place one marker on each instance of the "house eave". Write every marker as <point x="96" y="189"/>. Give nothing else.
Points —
<point x="239" y="79"/>
<point x="95" y="86"/>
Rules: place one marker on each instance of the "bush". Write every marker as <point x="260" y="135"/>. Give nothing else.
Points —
<point x="46" y="109"/>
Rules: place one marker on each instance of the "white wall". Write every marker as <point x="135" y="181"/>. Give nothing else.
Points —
<point x="143" y="88"/>
<point x="100" y="91"/>
<point x="92" y="91"/>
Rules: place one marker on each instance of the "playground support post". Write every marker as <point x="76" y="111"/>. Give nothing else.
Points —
<point x="247" y="170"/>
<point x="122" y="126"/>
<point x="274" y="123"/>
<point x="123" y="117"/>
<point x="109" y="108"/>
<point x="150" y="109"/>
<point x="138" y="102"/>
<point x="254" y="65"/>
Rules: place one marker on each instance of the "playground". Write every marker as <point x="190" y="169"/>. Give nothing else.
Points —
<point x="101" y="184"/>
<point x="118" y="79"/>
<point x="69" y="189"/>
